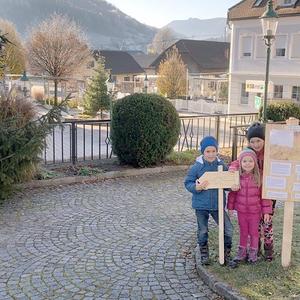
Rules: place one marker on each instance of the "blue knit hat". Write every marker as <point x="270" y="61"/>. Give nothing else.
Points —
<point x="208" y="141"/>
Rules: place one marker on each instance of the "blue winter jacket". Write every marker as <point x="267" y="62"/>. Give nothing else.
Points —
<point x="205" y="199"/>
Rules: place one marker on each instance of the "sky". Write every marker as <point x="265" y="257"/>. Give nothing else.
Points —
<point x="159" y="13"/>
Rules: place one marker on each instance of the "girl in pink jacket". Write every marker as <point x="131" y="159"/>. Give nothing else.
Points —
<point x="247" y="201"/>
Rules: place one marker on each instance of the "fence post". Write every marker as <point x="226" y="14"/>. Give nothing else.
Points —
<point x="73" y="143"/>
<point x="234" y="144"/>
<point x="218" y="128"/>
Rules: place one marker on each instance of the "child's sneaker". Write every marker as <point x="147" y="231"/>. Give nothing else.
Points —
<point x="252" y="257"/>
<point x="204" y="255"/>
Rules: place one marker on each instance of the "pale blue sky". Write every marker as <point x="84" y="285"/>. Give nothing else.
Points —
<point x="159" y="13"/>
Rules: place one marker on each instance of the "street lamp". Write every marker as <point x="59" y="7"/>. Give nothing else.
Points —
<point x="24" y="79"/>
<point x="269" y="22"/>
<point x="110" y="83"/>
<point x="146" y="82"/>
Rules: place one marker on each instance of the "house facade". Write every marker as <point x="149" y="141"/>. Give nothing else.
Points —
<point x="125" y="71"/>
<point x="248" y="54"/>
<point x="207" y="64"/>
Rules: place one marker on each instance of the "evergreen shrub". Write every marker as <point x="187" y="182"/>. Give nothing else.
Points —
<point x="145" y="128"/>
<point x="21" y="140"/>
<point x="282" y="111"/>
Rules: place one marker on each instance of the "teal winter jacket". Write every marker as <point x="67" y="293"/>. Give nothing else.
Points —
<point x="205" y="199"/>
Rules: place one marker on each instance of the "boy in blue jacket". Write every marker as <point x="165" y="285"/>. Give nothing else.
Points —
<point x="205" y="202"/>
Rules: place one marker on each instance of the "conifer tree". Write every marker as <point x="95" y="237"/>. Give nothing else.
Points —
<point x="96" y="97"/>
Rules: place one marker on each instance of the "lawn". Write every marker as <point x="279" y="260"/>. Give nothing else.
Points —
<point x="264" y="280"/>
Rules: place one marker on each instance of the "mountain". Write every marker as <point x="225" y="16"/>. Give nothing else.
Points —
<point x="105" y="25"/>
<point x="193" y="28"/>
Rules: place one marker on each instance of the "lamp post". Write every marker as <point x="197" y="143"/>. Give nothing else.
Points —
<point x="110" y="83"/>
<point x="269" y="21"/>
<point x="24" y="79"/>
<point x="146" y="82"/>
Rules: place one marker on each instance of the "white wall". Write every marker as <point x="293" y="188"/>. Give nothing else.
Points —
<point x="283" y="70"/>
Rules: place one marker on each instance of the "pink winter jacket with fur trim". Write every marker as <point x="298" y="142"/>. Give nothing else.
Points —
<point x="248" y="198"/>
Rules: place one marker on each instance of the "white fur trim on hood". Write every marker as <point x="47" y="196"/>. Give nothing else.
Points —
<point x="200" y="159"/>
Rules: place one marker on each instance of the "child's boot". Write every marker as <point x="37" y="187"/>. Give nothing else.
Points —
<point x="204" y="255"/>
<point x="227" y="256"/>
<point x="252" y="258"/>
<point x="268" y="252"/>
<point x="241" y="255"/>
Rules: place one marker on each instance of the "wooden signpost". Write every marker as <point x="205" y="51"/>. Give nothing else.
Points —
<point x="220" y="180"/>
<point x="281" y="180"/>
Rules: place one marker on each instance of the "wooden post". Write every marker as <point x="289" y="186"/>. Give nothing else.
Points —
<point x="288" y="216"/>
<point x="287" y="234"/>
<point x="220" y="180"/>
<point x="221" y="222"/>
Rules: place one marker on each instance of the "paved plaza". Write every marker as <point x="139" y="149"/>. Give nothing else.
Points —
<point x="130" y="238"/>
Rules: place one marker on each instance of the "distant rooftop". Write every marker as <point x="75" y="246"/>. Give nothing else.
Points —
<point x="119" y="62"/>
<point x="253" y="9"/>
<point x="200" y="56"/>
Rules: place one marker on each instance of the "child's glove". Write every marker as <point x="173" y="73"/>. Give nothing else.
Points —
<point x="235" y="187"/>
<point x="201" y="185"/>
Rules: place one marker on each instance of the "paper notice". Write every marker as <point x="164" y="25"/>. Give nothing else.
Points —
<point x="298" y="169"/>
<point x="297" y="196"/>
<point x="275" y="183"/>
<point x="296" y="187"/>
<point x="277" y="195"/>
<point x="283" y="169"/>
<point x="276" y="138"/>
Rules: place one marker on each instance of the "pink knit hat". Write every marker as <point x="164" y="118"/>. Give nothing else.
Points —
<point x="247" y="152"/>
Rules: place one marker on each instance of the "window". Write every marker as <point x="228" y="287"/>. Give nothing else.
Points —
<point x="246" y="46"/>
<point x="280" y="52"/>
<point x="280" y="45"/>
<point x="212" y="85"/>
<point x="261" y="50"/>
<point x="278" y="91"/>
<point x="257" y="3"/>
<point x="288" y="2"/>
<point x="295" y="48"/>
<point x="296" y="93"/>
<point x="127" y="78"/>
<point x="244" y="94"/>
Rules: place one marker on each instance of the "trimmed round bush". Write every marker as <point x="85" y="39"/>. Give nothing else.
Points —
<point x="282" y="111"/>
<point x="145" y="128"/>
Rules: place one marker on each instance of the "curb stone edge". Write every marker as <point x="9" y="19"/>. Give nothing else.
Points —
<point x="100" y="177"/>
<point x="221" y="288"/>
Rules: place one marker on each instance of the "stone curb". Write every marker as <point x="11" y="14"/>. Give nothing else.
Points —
<point x="100" y="177"/>
<point x="221" y="288"/>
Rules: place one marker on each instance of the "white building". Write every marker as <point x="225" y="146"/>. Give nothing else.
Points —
<point x="248" y="53"/>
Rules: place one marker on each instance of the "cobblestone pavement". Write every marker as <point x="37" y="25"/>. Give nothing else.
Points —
<point x="129" y="238"/>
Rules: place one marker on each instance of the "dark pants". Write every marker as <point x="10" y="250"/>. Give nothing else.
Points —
<point x="202" y="220"/>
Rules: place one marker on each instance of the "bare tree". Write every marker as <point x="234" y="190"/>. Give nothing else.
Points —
<point x="172" y="75"/>
<point x="13" y="56"/>
<point x="163" y="39"/>
<point x="58" y="48"/>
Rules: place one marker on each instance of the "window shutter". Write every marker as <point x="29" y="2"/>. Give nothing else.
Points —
<point x="261" y="49"/>
<point x="295" y="51"/>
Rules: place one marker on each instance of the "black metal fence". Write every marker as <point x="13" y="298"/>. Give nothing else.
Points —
<point x="74" y="141"/>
